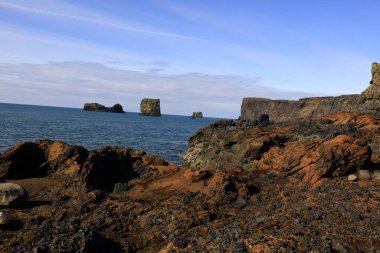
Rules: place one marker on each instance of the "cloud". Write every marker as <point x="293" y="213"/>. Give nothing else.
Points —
<point x="98" y="19"/>
<point x="71" y="84"/>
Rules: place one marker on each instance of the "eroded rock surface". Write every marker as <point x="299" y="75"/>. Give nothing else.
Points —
<point x="229" y="144"/>
<point x="263" y="208"/>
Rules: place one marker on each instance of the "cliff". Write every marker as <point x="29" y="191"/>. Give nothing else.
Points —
<point x="150" y="107"/>
<point x="117" y="108"/>
<point x="284" y="110"/>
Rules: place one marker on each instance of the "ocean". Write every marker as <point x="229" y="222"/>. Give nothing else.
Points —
<point x="166" y="136"/>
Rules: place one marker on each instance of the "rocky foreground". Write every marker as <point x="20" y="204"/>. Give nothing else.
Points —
<point x="303" y="186"/>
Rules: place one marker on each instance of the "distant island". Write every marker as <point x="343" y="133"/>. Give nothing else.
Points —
<point x="197" y="115"/>
<point x="117" y="108"/>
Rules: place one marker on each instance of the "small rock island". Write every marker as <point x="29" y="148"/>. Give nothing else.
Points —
<point x="117" y="108"/>
<point x="197" y="115"/>
<point x="150" y="107"/>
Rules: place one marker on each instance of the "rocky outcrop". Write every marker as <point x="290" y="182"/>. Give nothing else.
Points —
<point x="288" y="199"/>
<point x="150" y="107"/>
<point x="97" y="169"/>
<point x="227" y="144"/>
<point x="316" y="159"/>
<point x="12" y="195"/>
<point x="373" y="91"/>
<point x="197" y="115"/>
<point x="117" y="108"/>
<point x="284" y="110"/>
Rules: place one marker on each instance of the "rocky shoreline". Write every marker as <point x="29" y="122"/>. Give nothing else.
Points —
<point x="308" y="184"/>
<point x="293" y="194"/>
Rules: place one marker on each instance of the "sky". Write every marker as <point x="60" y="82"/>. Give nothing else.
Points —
<point x="196" y="55"/>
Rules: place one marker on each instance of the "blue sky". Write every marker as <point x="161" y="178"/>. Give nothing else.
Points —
<point x="194" y="55"/>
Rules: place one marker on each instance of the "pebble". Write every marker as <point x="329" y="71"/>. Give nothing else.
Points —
<point x="3" y="219"/>
<point x="364" y="175"/>
<point x="376" y="175"/>
<point x="352" y="177"/>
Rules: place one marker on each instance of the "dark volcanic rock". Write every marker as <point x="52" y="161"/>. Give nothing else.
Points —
<point x="272" y="206"/>
<point x="117" y="108"/>
<point x="150" y="107"/>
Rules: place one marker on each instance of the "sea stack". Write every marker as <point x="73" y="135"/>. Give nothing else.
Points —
<point x="150" y="107"/>
<point x="373" y="91"/>
<point x="117" y="108"/>
<point x="197" y="115"/>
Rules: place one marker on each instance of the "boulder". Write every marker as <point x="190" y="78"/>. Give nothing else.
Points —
<point x="150" y="107"/>
<point x="117" y="108"/>
<point x="197" y="115"/>
<point x="12" y="195"/>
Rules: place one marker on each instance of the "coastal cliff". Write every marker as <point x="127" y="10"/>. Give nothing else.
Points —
<point x="266" y="124"/>
<point x="284" y="110"/>
<point x="150" y="107"/>
<point x="117" y="108"/>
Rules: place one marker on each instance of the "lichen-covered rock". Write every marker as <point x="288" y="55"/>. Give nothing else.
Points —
<point x="117" y="108"/>
<point x="12" y="195"/>
<point x="150" y="107"/>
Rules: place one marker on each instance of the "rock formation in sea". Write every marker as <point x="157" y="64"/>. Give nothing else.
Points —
<point x="284" y="110"/>
<point x="197" y="115"/>
<point x="150" y="107"/>
<point x="117" y="108"/>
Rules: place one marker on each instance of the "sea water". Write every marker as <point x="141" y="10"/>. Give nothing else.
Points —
<point x="166" y="136"/>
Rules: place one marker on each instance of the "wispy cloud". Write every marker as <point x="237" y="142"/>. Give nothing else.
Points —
<point x="99" y="20"/>
<point x="73" y="83"/>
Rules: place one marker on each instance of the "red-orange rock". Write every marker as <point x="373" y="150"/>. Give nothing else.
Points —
<point x="314" y="159"/>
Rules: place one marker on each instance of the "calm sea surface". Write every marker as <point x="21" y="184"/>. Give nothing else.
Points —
<point x="165" y="136"/>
